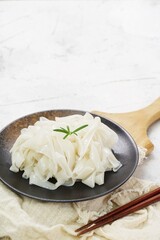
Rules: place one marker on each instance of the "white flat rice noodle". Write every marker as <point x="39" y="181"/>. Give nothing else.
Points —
<point x="43" y="154"/>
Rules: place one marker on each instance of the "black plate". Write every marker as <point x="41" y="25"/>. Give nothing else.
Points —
<point x="125" y="151"/>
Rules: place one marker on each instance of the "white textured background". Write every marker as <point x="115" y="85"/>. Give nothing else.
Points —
<point x="88" y="55"/>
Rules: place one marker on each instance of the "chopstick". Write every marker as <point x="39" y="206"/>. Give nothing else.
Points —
<point x="135" y="205"/>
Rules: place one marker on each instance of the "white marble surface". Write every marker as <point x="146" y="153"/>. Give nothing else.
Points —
<point x="88" y="55"/>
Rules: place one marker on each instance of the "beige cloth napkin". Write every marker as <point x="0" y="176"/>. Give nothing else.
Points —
<point x="23" y="218"/>
<point x="28" y="219"/>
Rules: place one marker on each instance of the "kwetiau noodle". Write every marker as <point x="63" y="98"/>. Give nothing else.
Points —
<point x="42" y="153"/>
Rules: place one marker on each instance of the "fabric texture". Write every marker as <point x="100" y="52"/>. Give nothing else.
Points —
<point x="25" y="218"/>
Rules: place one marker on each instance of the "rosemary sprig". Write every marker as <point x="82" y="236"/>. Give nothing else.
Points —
<point x="68" y="132"/>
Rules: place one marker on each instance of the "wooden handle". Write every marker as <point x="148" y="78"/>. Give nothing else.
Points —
<point x="137" y="122"/>
<point x="151" y="113"/>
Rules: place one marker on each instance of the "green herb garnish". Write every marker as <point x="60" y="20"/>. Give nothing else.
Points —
<point x="68" y="132"/>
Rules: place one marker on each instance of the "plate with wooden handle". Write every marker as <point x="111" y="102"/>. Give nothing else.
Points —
<point x="137" y="122"/>
<point x="125" y="150"/>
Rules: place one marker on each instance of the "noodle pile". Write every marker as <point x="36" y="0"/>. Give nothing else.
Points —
<point x="43" y="153"/>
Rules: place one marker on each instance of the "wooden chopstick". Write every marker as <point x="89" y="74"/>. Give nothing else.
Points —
<point x="122" y="211"/>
